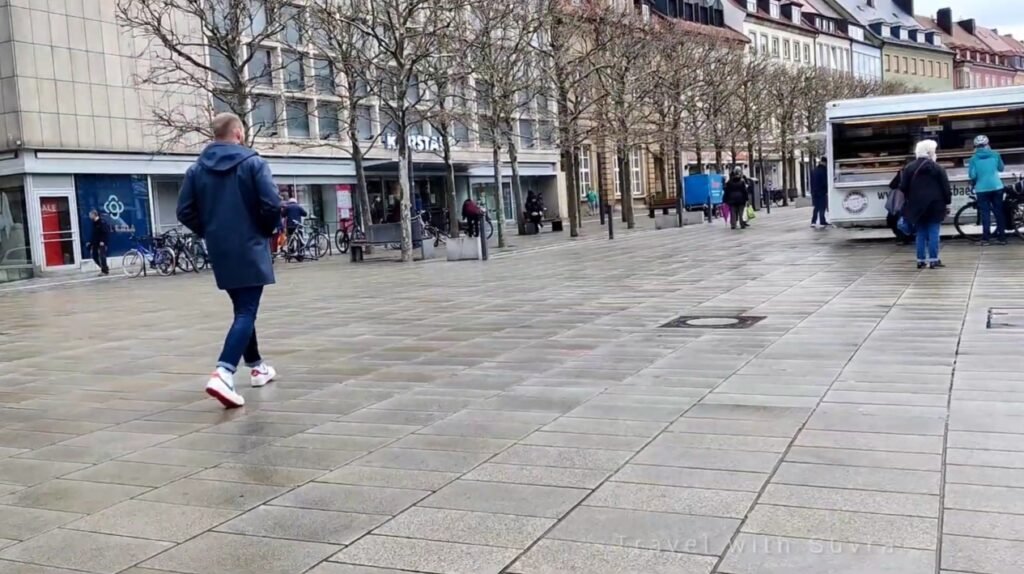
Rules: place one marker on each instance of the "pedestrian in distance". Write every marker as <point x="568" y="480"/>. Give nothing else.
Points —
<point x="98" y="241"/>
<point x="293" y="214"/>
<point x="735" y="196"/>
<point x="592" y="201"/>
<point x="819" y="194"/>
<point x="229" y="198"/>
<point x="925" y="185"/>
<point x="473" y="214"/>
<point x="983" y="170"/>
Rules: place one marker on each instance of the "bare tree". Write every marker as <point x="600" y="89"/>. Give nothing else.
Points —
<point x="211" y="52"/>
<point x="401" y="36"/>
<point x="503" y="52"/>
<point x="626" y="77"/>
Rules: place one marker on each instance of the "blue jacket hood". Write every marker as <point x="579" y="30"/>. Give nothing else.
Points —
<point x="984" y="153"/>
<point x="220" y="156"/>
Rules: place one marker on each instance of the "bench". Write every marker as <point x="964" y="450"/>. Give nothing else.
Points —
<point x="391" y="234"/>
<point x="663" y="203"/>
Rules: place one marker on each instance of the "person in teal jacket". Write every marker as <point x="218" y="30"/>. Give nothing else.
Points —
<point x="983" y="169"/>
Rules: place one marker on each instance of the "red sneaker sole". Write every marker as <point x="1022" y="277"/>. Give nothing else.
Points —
<point x="228" y="403"/>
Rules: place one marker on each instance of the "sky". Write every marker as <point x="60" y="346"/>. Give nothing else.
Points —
<point x="1004" y="15"/>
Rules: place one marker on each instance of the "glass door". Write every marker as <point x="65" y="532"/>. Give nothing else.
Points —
<point x="59" y="231"/>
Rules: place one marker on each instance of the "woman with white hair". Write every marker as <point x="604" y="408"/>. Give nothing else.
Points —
<point x="926" y="187"/>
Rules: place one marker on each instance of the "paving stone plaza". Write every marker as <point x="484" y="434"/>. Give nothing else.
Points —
<point x="530" y="415"/>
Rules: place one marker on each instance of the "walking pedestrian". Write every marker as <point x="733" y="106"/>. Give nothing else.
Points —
<point x="925" y="186"/>
<point x="98" y="241"/>
<point x="229" y="198"/>
<point x="735" y="196"/>
<point x="819" y="194"/>
<point x="592" y="201"/>
<point x="983" y="170"/>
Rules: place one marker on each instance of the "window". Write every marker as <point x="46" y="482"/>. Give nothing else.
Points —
<point x="412" y="91"/>
<point x="751" y="5"/>
<point x="364" y="123"/>
<point x="931" y="68"/>
<point x="485" y="135"/>
<point x="796" y="52"/>
<point x="323" y="75"/>
<point x="636" y="175"/>
<point x="775" y="47"/>
<point x="774" y="8"/>
<point x="616" y="173"/>
<point x="796" y="14"/>
<point x="906" y="65"/>
<point x="294" y="71"/>
<point x="460" y="133"/>
<point x="264" y="116"/>
<point x="543" y="105"/>
<point x="220" y="105"/>
<point x="888" y="63"/>
<point x="945" y="72"/>
<point x="327" y="121"/>
<point x="753" y="42"/>
<point x="222" y="72"/>
<point x="297" y="119"/>
<point x="835" y="58"/>
<point x="764" y="43"/>
<point x="292" y="34"/>
<point x="585" y="181"/>
<point x="913" y="66"/>
<point x="785" y="50"/>
<point x="526" y="135"/>
<point x="547" y="134"/>
<point x="261" y="68"/>
<point x="807" y="53"/>
<point x="259" y="18"/>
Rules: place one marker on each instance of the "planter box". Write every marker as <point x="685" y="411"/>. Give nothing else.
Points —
<point x="464" y="249"/>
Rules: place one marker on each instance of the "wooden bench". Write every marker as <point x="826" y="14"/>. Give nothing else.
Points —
<point x="665" y="204"/>
<point x="554" y="224"/>
<point x="391" y="234"/>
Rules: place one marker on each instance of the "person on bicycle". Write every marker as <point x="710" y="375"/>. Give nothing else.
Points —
<point x="98" y="241"/>
<point x="229" y="198"/>
<point x="473" y="214"/>
<point x="293" y="214"/>
<point x="983" y="170"/>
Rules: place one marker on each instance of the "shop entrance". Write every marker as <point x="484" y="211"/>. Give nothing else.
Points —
<point x="59" y="231"/>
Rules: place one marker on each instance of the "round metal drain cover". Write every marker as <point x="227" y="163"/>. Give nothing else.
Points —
<point x="712" y="321"/>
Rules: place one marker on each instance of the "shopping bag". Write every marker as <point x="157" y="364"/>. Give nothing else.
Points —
<point x="905" y="227"/>
<point x="750" y="214"/>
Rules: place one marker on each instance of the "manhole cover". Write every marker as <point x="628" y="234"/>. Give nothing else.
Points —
<point x="1005" y="318"/>
<point x="712" y="322"/>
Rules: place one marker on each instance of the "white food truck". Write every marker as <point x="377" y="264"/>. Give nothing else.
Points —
<point x="871" y="139"/>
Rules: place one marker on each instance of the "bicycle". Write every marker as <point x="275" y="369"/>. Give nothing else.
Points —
<point x="186" y="257"/>
<point x="430" y="230"/>
<point x="347" y="231"/>
<point x="155" y="256"/>
<point x="967" y="220"/>
<point x="306" y="244"/>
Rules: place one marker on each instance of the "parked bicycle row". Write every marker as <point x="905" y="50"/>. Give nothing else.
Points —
<point x="166" y="254"/>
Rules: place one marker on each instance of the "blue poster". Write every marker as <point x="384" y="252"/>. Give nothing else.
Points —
<point x="121" y="200"/>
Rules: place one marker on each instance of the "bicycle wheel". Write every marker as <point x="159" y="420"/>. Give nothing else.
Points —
<point x="490" y="228"/>
<point x="199" y="260"/>
<point x="1015" y="221"/>
<point x="133" y="263"/>
<point x="183" y="261"/>
<point x="341" y="241"/>
<point x="163" y="260"/>
<point x="321" y="245"/>
<point x="966" y="220"/>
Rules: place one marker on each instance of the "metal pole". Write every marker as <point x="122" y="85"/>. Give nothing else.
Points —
<point x="611" y="229"/>
<point x="483" y="239"/>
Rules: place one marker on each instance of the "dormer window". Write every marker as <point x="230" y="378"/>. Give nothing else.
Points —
<point x="884" y="30"/>
<point x="774" y="9"/>
<point x="796" y="14"/>
<point x="751" y="5"/>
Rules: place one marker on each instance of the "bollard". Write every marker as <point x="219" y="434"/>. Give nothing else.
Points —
<point x="483" y="243"/>
<point x="611" y="218"/>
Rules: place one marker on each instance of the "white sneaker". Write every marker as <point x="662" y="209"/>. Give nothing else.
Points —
<point x="221" y="386"/>
<point x="262" y="374"/>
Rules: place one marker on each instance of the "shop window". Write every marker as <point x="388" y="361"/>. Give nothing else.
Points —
<point x="165" y="202"/>
<point x="327" y="121"/>
<point x="121" y="200"/>
<point x="15" y="246"/>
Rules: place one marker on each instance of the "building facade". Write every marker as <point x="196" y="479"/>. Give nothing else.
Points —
<point x="77" y="134"/>
<point x="981" y="59"/>
<point x="838" y="31"/>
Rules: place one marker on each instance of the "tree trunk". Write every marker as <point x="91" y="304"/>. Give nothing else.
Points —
<point x="499" y="219"/>
<point x="605" y="191"/>
<point x="454" y="213"/>
<point x="699" y="150"/>
<point x="626" y="177"/>
<point x="750" y="170"/>
<point x="517" y="186"/>
<point x="677" y="160"/>
<point x="718" y="159"/>
<point x="663" y="175"/>
<point x="362" y="198"/>
<point x="406" y="186"/>
<point x="571" y="192"/>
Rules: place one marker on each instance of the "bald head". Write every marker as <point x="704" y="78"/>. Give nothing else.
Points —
<point x="227" y="127"/>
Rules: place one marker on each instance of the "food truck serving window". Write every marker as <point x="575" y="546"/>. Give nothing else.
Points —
<point x="868" y="149"/>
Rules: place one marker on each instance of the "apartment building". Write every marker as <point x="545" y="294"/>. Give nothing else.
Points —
<point x="981" y="59"/>
<point x="1016" y="58"/>
<point x="77" y="134"/>
<point x="838" y="32"/>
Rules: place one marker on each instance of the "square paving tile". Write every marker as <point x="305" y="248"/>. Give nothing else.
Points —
<point x="416" y="459"/>
<point x="349" y="498"/>
<point x="154" y="520"/>
<point x="219" y="553"/>
<point x="427" y="555"/>
<point x="214" y="494"/>
<point x="72" y="496"/>
<point x="658" y="531"/>
<point x="503" y="498"/>
<point x="721" y="503"/>
<point x="28" y="472"/>
<point x="88" y="551"/>
<point x="443" y="525"/>
<point x="132" y="473"/>
<point x="23" y="523"/>
<point x="304" y="524"/>
<point x="760" y="554"/>
<point x="390" y="477"/>
<point x="551" y="556"/>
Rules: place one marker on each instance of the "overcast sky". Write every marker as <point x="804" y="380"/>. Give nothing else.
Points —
<point x="1003" y="15"/>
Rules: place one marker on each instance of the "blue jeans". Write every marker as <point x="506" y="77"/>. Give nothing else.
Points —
<point x="928" y="239"/>
<point x="988" y="202"/>
<point x="241" y="339"/>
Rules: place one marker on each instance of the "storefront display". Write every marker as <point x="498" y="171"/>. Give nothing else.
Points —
<point x="122" y="201"/>
<point x="14" y="239"/>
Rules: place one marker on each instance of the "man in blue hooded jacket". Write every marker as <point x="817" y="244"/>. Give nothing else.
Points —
<point x="983" y="169"/>
<point x="229" y="198"/>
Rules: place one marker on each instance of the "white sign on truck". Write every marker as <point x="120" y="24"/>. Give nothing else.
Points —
<point x="870" y="140"/>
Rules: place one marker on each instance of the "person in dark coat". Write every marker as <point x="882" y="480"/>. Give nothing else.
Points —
<point x="293" y="214"/>
<point x="473" y="214"/>
<point x="229" y="199"/>
<point x="98" y="241"/>
<point x="925" y="186"/>
<point x="819" y="193"/>
<point x="735" y="196"/>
